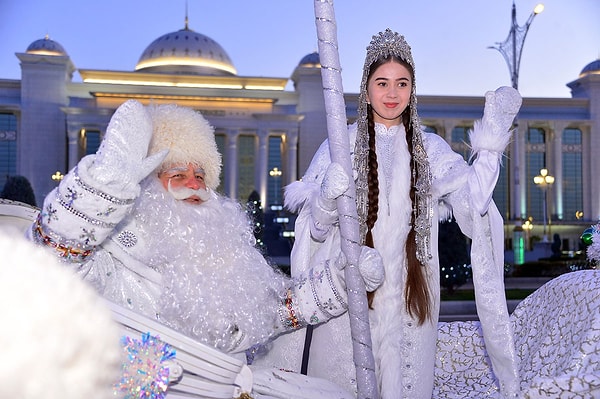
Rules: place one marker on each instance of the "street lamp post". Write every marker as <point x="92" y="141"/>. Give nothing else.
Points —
<point x="545" y="181"/>
<point x="527" y="227"/>
<point x="511" y="49"/>
<point x="275" y="173"/>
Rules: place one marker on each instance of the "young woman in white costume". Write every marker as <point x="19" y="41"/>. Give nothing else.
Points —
<point x="406" y="181"/>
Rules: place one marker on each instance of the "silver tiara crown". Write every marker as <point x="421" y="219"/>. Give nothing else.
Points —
<point x="389" y="43"/>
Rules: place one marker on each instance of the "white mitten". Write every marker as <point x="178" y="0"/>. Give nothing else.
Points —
<point x="493" y="132"/>
<point x="121" y="162"/>
<point x="489" y="138"/>
<point x="370" y="266"/>
<point x="323" y="206"/>
<point x="315" y="297"/>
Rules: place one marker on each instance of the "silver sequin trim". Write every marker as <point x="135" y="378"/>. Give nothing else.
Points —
<point x="335" y="291"/>
<point x="85" y="217"/>
<point x="101" y="194"/>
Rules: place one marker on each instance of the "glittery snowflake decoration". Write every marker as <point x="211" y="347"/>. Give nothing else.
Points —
<point x="144" y="373"/>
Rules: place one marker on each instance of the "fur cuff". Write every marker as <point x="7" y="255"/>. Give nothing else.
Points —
<point x="297" y="193"/>
<point x="483" y="137"/>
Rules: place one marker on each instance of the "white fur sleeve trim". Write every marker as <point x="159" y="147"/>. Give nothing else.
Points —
<point x="299" y="192"/>
<point x="482" y="137"/>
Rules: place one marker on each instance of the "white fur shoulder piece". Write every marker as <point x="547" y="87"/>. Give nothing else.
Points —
<point x="60" y="339"/>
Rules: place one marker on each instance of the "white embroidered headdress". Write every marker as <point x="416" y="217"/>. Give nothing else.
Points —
<point x="383" y="45"/>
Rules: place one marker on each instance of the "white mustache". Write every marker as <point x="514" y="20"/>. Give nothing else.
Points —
<point x="186" y="192"/>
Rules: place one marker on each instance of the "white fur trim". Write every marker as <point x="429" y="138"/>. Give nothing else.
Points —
<point x="483" y="137"/>
<point x="297" y="193"/>
<point x="188" y="137"/>
<point x="60" y="341"/>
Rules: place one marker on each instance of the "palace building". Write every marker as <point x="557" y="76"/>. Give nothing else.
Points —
<point x="268" y="134"/>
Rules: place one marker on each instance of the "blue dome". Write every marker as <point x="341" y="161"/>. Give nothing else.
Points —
<point x="592" y="67"/>
<point x="186" y="52"/>
<point x="46" y="46"/>
<point x="310" y="60"/>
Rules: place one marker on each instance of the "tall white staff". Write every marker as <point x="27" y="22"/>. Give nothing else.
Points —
<point x="339" y="148"/>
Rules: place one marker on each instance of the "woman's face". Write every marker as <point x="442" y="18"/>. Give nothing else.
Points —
<point x="388" y="91"/>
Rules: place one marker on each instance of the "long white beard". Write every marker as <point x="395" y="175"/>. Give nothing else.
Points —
<point x="214" y="278"/>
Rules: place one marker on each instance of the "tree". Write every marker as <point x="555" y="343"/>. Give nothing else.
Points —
<point x="255" y="213"/>
<point x="455" y="261"/>
<point x="18" y="188"/>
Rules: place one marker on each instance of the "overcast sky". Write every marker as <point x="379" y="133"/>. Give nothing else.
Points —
<point x="449" y="38"/>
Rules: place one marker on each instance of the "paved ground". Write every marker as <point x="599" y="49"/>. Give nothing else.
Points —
<point x="465" y="310"/>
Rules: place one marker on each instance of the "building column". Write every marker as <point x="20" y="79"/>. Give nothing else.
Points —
<point x="557" y="164"/>
<point x="231" y="172"/>
<point x="262" y="173"/>
<point x="518" y="173"/>
<point x="447" y="126"/>
<point x="73" y="145"/>
<point x="291" y="155"/>
<point x="590" y="197"/>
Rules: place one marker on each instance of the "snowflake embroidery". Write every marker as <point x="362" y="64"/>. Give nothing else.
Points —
<point x="319" y="275"/>
<point x="107" y="212"/>
<point x="329" y="305"/>
<point x="127" y="238"/>
<point x="50" y="214"/>
<point x="88" y="236"/>
<point x="300" y="281"/>
<point x="71" y="196"/>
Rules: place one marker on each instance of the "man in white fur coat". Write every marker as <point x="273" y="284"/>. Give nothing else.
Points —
<point x="141" y="221"/>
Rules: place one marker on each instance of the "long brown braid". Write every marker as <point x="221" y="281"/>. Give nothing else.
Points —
<point x="416" y="292"/>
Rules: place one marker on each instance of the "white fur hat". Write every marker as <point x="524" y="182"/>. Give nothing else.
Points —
<point x="188" y="137"/>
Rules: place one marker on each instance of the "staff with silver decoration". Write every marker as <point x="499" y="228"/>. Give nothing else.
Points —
<point x="349" y="227"/>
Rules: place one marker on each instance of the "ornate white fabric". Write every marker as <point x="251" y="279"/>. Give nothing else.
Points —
<point x="557" y="336"/>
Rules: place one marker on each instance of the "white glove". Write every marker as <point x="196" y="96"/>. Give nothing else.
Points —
<point x="493" y="131"/>
<point x="501" y="107"/>
<point x="315" y="297"/>
<point x="489" y="138"/>
<point x="323" y="206"/>
<point x="121" y="162"/>
<point x="370" y="266"/>
<point x="320" y="294"/>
